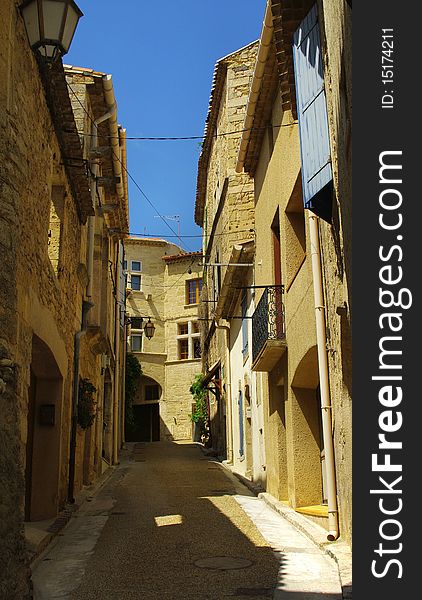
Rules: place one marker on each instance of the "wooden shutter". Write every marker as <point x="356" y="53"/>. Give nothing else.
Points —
<point x="312" y="114"/>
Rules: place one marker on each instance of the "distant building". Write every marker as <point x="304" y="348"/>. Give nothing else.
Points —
<point x="163" y="285"/>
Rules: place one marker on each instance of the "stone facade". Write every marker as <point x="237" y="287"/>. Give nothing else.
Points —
<point x="225" y="211"/>
<point x="45" y="202"/>
<point x="171" y="359"/>
<point x="284" y="380"/>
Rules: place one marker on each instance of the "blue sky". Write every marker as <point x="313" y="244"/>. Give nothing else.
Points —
<point x="161" y="56"/>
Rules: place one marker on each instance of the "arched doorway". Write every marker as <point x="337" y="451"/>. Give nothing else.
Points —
<point x="44" y="430"/>
<point x="145" y="425"/>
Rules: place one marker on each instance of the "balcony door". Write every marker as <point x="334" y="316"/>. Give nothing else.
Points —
<point x="276" y="243"/>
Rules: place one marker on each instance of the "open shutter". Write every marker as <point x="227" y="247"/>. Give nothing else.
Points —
<point x="312" y="114"/>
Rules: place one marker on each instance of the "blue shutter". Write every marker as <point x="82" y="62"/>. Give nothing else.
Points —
<point x="312" y="114"/>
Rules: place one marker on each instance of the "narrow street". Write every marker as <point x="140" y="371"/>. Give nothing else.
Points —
<point x="172" y="523"/>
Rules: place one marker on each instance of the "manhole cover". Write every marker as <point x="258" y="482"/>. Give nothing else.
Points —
<point x="223" y="563"/>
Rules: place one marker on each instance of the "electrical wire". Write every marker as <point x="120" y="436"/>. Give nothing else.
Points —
<point x="126" y="170"/>
<point x="187" y="137"/>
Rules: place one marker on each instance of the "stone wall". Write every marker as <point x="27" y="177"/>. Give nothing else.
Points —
<point x="39" y="298"/>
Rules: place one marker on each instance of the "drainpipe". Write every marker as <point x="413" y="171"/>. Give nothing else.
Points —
<point x="86" y="306"/>
<point x="229" y="427"/>
<point x="117" y="386"/>
<point x="326" y="408"/>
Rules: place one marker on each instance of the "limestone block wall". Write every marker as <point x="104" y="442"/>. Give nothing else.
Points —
<point x="37" y="298"/>
<point x="164" y="274"/>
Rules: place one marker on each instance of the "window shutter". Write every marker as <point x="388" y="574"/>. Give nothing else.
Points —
<point x="313" y="119"/>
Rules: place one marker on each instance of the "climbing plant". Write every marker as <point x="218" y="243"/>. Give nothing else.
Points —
<point x="133" y="373"/>
<point x="200" y="412"/>
<point x="86" y="403"/>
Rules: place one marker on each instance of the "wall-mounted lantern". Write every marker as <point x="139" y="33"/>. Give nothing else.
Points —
<point x="50" y="26"/>
<point x="149" y="329"/>
<point x="137" y="322"/>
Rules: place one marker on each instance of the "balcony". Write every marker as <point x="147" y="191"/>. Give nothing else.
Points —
<point x="268" y="329"/>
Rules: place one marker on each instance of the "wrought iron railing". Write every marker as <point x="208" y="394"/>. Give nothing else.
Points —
<point x="268" y="319"/>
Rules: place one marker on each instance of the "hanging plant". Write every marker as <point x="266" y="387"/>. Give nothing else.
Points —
<point x="86" y="404"/>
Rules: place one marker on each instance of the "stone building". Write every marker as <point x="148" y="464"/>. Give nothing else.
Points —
<point x="102" y="347"/>
<point x="299" y="295"/>
<point x="46" y="204"/>
<point x="163" y="285"/>
<point x="224" y="209"/>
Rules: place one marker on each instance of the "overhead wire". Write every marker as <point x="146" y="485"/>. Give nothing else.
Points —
<point x="126" y="170"/>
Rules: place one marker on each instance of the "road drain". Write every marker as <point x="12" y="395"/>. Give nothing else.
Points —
<point x="223" y="563"/>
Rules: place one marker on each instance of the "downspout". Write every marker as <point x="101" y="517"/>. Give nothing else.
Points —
<point x="117" y="357"/>
<point x="86" y="306"/>
<point x="229" y="427"/>
<point x="326" y="407"/>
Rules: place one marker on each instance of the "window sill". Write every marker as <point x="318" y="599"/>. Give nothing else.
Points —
<point x="183" y="361"/>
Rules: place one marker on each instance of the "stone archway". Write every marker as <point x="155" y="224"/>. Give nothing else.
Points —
<point x="43" y="446"/>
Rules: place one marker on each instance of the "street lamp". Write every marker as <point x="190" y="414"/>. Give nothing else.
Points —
<point x="50" y="26"/>
<point x="149" y="329"/>
<point x="136" y="323"/>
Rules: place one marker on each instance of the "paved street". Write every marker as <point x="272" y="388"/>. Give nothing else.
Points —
<point x="171" y="523"/>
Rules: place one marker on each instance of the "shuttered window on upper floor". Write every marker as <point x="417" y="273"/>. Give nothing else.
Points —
<point x="317" y="173"/>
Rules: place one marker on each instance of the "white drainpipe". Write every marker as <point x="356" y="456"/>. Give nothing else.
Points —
<point x="326" y="408"/>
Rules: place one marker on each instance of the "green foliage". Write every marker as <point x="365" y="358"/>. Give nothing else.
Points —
<point x="133" y="373"/>
<point x="200" y="413"/>
<point x="86" y="403"/>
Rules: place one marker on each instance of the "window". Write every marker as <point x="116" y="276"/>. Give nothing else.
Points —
<point x="188" y="341"/>
<point x="136" y="282"/>
<point x="183" y="328"/>
<point x="136" y="322"/>
<point x="183" y="349"/>
<point x="136" y="266"/>
<point x="196" y="348"/>
<point x="125" y="265"/>
<point x="193" y="291"/>
<point x="136" y="342"/>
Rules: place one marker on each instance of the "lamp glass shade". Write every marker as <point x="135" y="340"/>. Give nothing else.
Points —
<point x="149" y="329"/>
<point x="53" y="13"/>
<point x="30" y="17"/>
<point x="50" y="25"/>
<point x="72" y="19"/>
